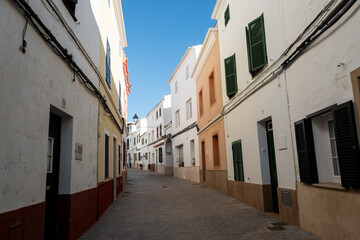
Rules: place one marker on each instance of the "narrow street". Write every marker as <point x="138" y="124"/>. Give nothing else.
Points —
<point x="154" y="206"/>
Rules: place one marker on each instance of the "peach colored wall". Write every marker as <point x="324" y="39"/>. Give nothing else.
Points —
<point x="206" y="136"/>
<point x="202" y="83"/>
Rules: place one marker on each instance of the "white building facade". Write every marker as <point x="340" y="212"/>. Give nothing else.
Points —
<point x="184" y="117"/>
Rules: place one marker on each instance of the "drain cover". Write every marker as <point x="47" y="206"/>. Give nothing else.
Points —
<point x="278" y="228"/>
<point x="164" y="186"/>
<point x="279" y="224"/>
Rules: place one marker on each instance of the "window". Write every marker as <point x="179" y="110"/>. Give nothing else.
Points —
<point x="109" y="3"/>
<point x="187" y="72"/>
<point x="142" y="141"/>
<point x="71" y="5"/>
<point x="146" y="156"/>
<point x="188" y="109"/>
<point x="157" y="132"/>
<point x="157" y="116"/>
<point x="227" y="15"/>
<point x="212" y="88"/>
<point x="160" y="130"/>
<point x="230" y="76"/>
<point x="238" y="161"/>
<point x="201" y="103"/>
<point x="256" y="45"/>
<point x="177" y="118"/>
<point x="127" y="143"/>
<point x="327" y="147"/>
<point x="50" y="155"/>
<point x="107" y="139"/>
<point x="108" y="72"/>
<point x="176" y="87"/>
<point x="159" y="112"/>
<point x="160" y="155"/>
<point x="152" y="136"/>
<point x="216" y="154"/>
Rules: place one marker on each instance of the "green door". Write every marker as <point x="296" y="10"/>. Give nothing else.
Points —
<point x="272" y="165"/>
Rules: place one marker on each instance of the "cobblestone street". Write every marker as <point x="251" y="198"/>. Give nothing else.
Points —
<point x="154" y="206"/>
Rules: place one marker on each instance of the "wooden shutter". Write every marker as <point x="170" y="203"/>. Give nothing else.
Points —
<point x="108" y="73"/>
<point x="305" y="151"/>
<point x="238" y="161"/>
<point x="227" y="15"/>
<point x="257" y="43"/>
<point x="230" y="73"/>
<point x="347" y="145"/>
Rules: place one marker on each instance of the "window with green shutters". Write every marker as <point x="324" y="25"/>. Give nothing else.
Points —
<point x="230" y="76"/>
<point x="227" y="15"/>
<point x="256" y="45"/>
<point x="238" y="161"/>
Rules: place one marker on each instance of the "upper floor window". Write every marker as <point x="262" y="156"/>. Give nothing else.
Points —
<point x="188" y="109"/>
<point x="256" y="45"/>
<point x="160" y="129"/>
<point x="159" y="112"/>
<point x="201" y="103"/>
<point x="177" y="118"/>
<point x="176" y="87"/>
<point x="108" y="72"/>
<point x="227" y="15"/>
<point x="71" y="5"/>
<point x="187" y="72"/>
<point x="230" y="74"/>
<point x="212" y="88"/>
<point x="157" y="115"/>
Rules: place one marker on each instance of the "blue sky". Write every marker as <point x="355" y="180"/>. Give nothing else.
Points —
<point x="158" y="33"/>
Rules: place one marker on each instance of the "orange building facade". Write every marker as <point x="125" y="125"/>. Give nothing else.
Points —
<point x="212" y="147"/>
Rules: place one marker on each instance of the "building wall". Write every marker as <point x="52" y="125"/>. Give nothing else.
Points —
<point x="34" y="88"/>
<point x="319" y="78"/>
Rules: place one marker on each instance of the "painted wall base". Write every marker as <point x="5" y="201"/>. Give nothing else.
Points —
<point x="119" y="185"/>
<point x="255" y="195"/>
<point x="105" y="196"/>
<point x="24" y="223"/>
<point x="188" y="173"/>
<point x="288" y="206"/>
<point x="162" y="169"/>
<point x="329" y="213"/>
<point x="217" y="180"/>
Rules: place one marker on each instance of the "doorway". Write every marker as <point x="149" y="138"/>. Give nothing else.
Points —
<point x="114" y="168"/>
<point x="52" y="177"/>
<point x="272" y="165"/>
<point x="203" y="161"/>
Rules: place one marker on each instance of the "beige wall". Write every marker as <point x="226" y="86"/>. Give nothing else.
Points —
<point x="328" y="213"/>
<point x="189" y="173"/>
<point x="202" y="83"/>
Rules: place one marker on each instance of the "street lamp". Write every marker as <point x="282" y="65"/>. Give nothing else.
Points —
<point x="135" y="117"/>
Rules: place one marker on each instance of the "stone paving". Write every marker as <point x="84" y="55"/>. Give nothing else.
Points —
<point x="154" y="206"/>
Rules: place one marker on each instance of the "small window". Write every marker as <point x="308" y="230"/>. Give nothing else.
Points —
<point x="188" y="109"/>
<point x="227" y="15"/>
<point x="160" y="130"/>
<point x="159" y="112"/>
<point x="256" y="45"/>
<point x="157" y="115"/>
<point x="157" y="132"/>
<point x="177" y="118"/>
<point x="142" y="141"/>
<point x="230" y="76"/>
<point x="108" y="71"/>
<point x="50" y="155"/>
<point x="212" y="88"/>
<point x="71" y="5"/>
<point x="176" y="87"/>
<point x="187" y="72"/>
<point x="201" y="103"/>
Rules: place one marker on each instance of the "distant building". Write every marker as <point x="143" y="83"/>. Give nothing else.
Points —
<point x="183" y="130"/>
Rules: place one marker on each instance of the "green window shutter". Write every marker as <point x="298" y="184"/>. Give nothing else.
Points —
<point x="230" y="73"/>
<point x="227" y="15"/>
<point x="238" y="161"/>
<point x="347" y="145"/>
<point x="257" y="43"/>
<point x="305" y="151"/>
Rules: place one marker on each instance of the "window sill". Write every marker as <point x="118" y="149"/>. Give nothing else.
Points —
<point x="335" y="186"/>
